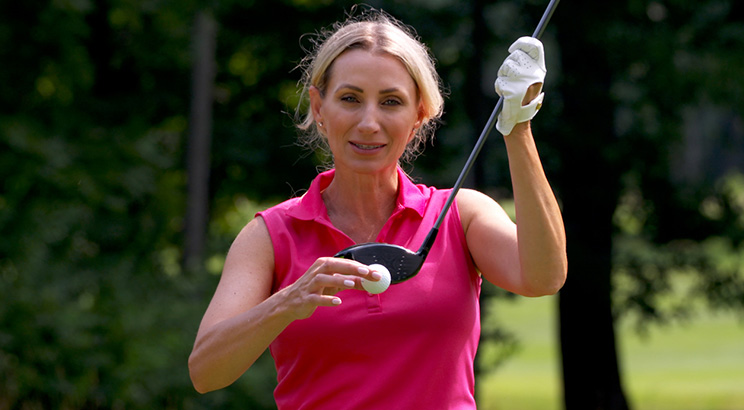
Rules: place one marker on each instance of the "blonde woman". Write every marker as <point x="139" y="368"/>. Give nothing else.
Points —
<point x="374" y="97"/>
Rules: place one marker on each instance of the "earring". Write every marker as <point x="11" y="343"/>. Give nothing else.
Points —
<point x="320" y="124"/>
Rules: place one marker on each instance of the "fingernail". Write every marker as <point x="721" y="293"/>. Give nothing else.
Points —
<point x="336" y="301"/>
<point x="349" y="283"/>
<point x="363" y="270"/>
<point x="376" y="275"/>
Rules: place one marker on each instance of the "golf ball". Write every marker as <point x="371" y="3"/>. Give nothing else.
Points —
<point x="382" y="284"/>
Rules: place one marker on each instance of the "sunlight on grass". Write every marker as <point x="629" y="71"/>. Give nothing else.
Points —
<point x="699" y="365"/>
<point x="530" y="379"/>
<point x="695" y="366"/>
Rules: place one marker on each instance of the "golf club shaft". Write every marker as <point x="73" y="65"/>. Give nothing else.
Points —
<point x="429" y="241"/>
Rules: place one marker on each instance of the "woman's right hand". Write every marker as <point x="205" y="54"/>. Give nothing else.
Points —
<point x="321" y="283"/>
<point x="244" y="317"/>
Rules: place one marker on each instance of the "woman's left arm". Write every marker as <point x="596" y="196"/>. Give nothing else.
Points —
<point x="528" y="258"/>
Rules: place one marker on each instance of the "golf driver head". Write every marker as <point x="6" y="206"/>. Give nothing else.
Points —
<point x="401" y="262"/>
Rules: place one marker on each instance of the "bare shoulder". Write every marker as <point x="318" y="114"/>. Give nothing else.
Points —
<point x="254" y="242"/>
<point x="251" y="255"/>
<point x="473" y="204"/>
<point x="491" y="236"/>
<point x="247" y="276"/>
<point x="469" y="196"/>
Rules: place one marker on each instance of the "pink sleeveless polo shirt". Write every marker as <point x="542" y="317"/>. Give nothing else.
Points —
<point x="412" y="346"/>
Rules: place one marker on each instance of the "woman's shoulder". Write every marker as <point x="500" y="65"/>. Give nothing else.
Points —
<point x="471" y="203"/>
<point x="469" y="196"/>
<point x="280" y="208"/>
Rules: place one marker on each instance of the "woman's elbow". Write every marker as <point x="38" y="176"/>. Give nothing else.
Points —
<point x="198" y="379"/>
<point x="549" y="285"/>
<point x="552" y="287"/>
<point x="199" y="388"/>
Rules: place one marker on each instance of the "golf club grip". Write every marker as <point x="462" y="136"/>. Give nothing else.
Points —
<point x="484" y="135"/>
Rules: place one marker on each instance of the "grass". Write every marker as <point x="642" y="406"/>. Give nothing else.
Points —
<point x="695" y="366"/>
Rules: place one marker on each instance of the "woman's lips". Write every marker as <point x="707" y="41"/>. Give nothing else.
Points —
<point x="367" y="147"/>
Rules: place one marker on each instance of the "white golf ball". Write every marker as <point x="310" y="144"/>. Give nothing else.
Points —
<point x="382" y="284"/>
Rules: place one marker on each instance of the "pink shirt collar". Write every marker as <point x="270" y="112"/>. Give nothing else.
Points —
<point x="311" y="205"/>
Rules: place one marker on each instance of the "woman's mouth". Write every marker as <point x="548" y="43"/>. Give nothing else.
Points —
<point x="367" y="146"/>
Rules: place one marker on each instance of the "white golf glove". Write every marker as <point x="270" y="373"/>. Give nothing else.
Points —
<point x="524" y="66"/>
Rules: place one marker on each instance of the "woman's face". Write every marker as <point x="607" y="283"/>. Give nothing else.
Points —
<point x="370" y="110"/>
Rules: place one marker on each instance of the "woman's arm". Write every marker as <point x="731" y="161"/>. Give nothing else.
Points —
<point x="528" y="258"/>
<point x="243" y="317"/>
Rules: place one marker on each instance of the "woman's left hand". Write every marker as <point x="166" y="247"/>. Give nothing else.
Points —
<point x="519" y="82"/>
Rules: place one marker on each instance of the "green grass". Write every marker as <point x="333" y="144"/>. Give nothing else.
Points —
<point x="695" y="366"/>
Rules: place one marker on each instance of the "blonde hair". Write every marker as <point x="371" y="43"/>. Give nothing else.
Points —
<point x="378" y="32"/>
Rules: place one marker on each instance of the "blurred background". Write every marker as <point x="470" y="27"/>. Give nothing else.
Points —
<point x="137" y="137"/>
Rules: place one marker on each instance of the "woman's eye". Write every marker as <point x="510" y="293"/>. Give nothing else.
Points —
<point x="349" y="98"/>
<point x="391" y="101"/>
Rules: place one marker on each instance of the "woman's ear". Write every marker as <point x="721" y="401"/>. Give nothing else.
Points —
<point x="316" y="101"/>
<point x="418" y="123"/>
<point x="421" y="115"/>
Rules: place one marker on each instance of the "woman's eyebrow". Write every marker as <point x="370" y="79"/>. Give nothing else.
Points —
<point x="355" y="88"/>
<point x="349" y="86"/>
<point x="390" y="90"/>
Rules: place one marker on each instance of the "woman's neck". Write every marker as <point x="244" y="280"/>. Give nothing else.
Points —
<point x="360" y="204"/>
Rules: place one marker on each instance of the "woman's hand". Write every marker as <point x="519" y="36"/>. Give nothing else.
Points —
<point x="320" y="284"/>
<point x="533" y="92"/>
<point x="244" y="317"/>
<point x="519" y="83"/>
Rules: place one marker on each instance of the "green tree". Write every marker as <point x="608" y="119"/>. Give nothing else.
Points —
<point x="90" y="145"/>
<point x="635" y="75"/>
<point x="678" y="105"/>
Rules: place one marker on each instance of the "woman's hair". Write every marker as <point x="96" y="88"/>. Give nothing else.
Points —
<point x="377" y="32"/>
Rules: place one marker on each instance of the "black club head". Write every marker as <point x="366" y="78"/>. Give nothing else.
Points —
<point x="401" y="262"/>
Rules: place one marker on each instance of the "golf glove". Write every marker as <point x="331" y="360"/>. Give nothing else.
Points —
<point x="524" y="66"/>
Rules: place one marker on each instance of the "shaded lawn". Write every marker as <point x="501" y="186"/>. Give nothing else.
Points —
<point x="695" y="366"/>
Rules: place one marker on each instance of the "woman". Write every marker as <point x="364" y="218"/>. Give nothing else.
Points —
<point x="374" y="98"/>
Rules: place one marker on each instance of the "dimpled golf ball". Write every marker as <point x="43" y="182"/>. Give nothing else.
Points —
<point x="382" y="284"/>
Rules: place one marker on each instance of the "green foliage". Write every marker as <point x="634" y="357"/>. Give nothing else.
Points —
<point x="676" y="87"/>
<point x="91" y="135"/>
<point x="662" y="282"/>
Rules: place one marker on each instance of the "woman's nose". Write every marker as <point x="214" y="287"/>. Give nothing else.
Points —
<point x="369" y="121"/>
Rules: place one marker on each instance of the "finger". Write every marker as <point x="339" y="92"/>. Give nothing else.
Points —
<point x="532" y="92"/>
<point x="376" y="273"/>
<point x="332" y="284"/>
<point x="529" y="45"/>
<point x="532" y="47"/>
<point x="315" y="300"/>
<point x="507" y="68"/>
<point x="342" y="266"/>
<point x="328" y="300"/>
<point x="355" y="282"/>
<point x="532" y="51"/>
<point x="520" y="61"/>
<point x="349" y="281"/>
<point x="303" y="298"/>
<point x="358" y="271"/>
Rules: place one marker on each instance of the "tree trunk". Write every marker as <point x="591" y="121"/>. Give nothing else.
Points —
<point x="478" y="111"/>
<point x="589" y="187"/>
<point x="200" y="136"/>
<point x="591" y="376"/>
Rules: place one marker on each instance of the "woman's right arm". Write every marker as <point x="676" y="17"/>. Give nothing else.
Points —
<point x="243" y="317"/>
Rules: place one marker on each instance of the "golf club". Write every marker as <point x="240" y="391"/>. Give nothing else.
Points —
<point x="402" y="263"/>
